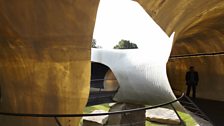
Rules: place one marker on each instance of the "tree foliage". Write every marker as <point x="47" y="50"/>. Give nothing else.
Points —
<point x="125" y="44"/>
<point x="94" y="44"/>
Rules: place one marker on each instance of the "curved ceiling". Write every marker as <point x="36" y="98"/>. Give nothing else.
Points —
<point x="206" y="36"/>
<point x="199" y="25"/>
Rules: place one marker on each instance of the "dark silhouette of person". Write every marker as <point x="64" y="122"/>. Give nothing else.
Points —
<point x="191" y="81"/>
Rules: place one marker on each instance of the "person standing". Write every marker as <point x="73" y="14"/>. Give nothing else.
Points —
<point x="191" y="81"/>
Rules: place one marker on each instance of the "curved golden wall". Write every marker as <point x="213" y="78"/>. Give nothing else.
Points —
<point x="45" y="58"/>
<point x="45" y="52"/>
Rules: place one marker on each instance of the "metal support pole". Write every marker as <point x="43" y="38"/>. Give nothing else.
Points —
<point x="57" y="121"/>
<point x="181" y="121"/>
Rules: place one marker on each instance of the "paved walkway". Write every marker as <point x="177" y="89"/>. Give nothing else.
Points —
<point x="213" y="109"/>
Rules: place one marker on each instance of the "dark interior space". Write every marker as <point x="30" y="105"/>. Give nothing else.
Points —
<point x="98" y="72"/>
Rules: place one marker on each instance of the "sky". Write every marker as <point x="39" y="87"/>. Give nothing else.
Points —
<point x="126" y="19"/>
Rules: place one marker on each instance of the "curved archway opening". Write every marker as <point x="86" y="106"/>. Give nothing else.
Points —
<point x="110" y="82"/>
<point x="102" y="78"/>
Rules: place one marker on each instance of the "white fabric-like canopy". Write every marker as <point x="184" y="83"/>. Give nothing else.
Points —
<point x="141" y="73"/>
<point x="141" y="79"/>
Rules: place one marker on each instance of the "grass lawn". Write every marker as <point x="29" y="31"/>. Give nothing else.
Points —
<point x="185" y="117"/>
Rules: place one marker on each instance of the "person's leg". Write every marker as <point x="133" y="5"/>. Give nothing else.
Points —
<point x="194" y="91"/>
<point x="188" y="90"/>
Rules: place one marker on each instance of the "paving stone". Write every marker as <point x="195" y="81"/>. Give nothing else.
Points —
<point x="95" y="120"/>
<point x="131" y="118"/>
<point x="162" y="115"/>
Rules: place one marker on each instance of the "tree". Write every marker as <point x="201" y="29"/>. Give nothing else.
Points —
<point x="125" y="44"/>
<point x="94" y="44"/>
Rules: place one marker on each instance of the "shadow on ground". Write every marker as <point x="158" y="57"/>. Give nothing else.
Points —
<point x="213" y="109"/>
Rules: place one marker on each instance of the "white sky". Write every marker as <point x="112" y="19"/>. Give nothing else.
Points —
<point x="126" y="19"/>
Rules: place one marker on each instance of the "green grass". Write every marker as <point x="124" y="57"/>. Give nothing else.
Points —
<point x="184" y="116"/>
<point x="187" y="119"/>
<point x="90" y="109"/>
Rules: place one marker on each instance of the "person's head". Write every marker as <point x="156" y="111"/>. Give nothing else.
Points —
<point x="191" y="68"/>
